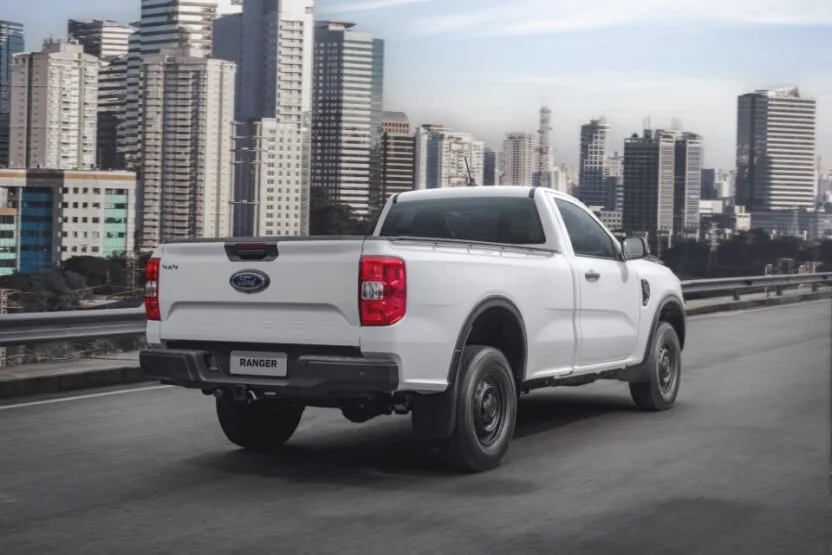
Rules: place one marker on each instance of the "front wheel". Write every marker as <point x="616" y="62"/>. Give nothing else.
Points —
<point x="262" y="426"/>
<point x="664" y="372"/>
<point x="486" y="409"/>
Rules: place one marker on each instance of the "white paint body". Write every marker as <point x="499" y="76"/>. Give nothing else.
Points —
<point x="573" y="326"/>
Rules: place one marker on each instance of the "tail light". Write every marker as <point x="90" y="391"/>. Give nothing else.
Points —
<point x="382" y="290"/>
<point x="151" y="290"/>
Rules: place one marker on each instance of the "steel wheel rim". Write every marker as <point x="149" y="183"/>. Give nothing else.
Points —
<point x="668" y="368"/>
<point x="489" y="411"/>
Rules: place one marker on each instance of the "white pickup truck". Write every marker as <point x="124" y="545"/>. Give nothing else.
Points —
<point x="461" y="300"/>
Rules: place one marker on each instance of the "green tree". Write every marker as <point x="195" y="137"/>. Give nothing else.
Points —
<point x="327" y="218"/>
<point x="108" y="275"/>
<point x="47" y="291"/>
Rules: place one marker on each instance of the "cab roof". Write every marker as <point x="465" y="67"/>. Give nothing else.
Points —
<point x="475" y="191"/>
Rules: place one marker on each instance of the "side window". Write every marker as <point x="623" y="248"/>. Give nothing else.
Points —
<point x="588" y="237"/>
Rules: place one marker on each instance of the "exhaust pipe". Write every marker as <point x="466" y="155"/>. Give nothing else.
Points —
<point x="241" y="393"/>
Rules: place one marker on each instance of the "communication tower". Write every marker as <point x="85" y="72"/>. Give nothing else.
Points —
<point x="544" y="147"/>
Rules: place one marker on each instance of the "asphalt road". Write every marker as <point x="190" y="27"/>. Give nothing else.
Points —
<point x="740" y="465"/>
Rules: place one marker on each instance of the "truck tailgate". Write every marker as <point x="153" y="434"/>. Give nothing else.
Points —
<point x="310" y="295"/>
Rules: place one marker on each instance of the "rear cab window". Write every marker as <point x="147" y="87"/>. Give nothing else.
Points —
<point x="506" y="220"/>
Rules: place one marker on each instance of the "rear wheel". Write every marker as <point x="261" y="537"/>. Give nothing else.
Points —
<point x="262" y="426"/>
<point x="664" y="372"/>
<point x="486" y="410"/>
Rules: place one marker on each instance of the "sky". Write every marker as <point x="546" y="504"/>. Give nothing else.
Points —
<point x="486" y="66"/>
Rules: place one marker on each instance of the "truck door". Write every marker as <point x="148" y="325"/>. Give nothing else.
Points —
<point x="609" y="297"/>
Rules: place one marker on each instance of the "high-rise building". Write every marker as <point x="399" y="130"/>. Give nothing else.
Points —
<point x="54" y="108"/>
<point x="428" y="156"/>
<point x="709" y="185"/>
<point x="112" y="85"/>
<point x="687" y="189"/>
<point x="346" y="114"/>
<point x="276" y="58"/>
<point x="187" y="148"/>
<point x="11" y="43"/>
<point x="393" y="160"/>
<point x="172" y="26"/>
<point x="227" y="43"/>
<point x="52" y="215"/>
<point x="649" y="183"/>
<point x="100" y="38"/>
<point x="489" y="167"/>
<point x="775" y="150"/>
<point x="615" y="183"/>
<point x="272" y="42"/>
<point x="268" y="181"/>
<point x="593" y="170"/>
<point x="519" y="159"/>
<point x="446" y="158"/>
<point x="109" y="41"/>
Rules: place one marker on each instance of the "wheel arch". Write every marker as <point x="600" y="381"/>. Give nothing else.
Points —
<point x="488" y="310"/>
<point x="434" y="415"/>
<point x="670" y="309"/>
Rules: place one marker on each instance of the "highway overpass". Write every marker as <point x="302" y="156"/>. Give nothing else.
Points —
<point x="740" y="465"/>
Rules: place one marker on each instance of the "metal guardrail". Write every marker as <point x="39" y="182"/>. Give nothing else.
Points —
<point x="748" y="284"/>
<point x="70" y="325"/>
<point x="76" y="325"/>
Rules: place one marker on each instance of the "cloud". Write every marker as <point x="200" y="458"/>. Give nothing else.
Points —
<point x="529" y="17"/>
<point x="369" y="5"/>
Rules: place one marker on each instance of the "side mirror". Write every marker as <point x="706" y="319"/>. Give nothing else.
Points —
<point x="635" y="248"/>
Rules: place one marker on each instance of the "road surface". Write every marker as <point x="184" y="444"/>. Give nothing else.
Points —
<point x="739" y="466"/>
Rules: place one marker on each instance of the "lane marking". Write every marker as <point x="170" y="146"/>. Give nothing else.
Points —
<point x="81" y="397"/>
<point x="730" y="313"/>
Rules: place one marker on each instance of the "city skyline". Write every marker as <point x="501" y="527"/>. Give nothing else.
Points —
<point x="447" y="77"/>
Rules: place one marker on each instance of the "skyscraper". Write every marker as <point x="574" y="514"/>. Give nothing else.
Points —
<point x="180" y="26"/>
<point x="709" y="184"/>
<point x="649" y="183"/>
<point x="489" y="167"/>
<point x="276" y="60"/>
<point x="615" y="183"/>
<point x="347" y="107"/>
<point x="227" y="44"/>
<point x="394" y="158"/>
<point x="272" y="42"/>
<point x="446" y="158"/>
<point x="776" y="150"/>
<point x="100" y="38"/>
<point x="186" y="157"/>
<point x="11" y="43"/>
<point x="687" y="185"/>
<point x="109" y="41"/>
<point x="54" y="108"/>
<point x="592" y="178"/>
<point x="519" y="159"/>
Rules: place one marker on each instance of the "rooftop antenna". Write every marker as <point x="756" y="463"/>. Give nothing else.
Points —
<point x="544" y="147"/>
<point x="471" y="182"/>
<point x="675" y="124"/>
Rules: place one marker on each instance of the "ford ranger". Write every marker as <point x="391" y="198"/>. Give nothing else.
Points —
<point x="461" y="300"/>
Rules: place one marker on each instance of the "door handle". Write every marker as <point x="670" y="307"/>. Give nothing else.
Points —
<point x="592" y="275"/>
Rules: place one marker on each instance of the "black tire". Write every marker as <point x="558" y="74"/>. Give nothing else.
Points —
<point x="486" y="410"/>
<point x="663" y="369"/>
<point x="262" y="426"/>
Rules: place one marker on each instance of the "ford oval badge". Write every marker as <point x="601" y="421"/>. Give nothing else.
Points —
<point x="249" y="281"/>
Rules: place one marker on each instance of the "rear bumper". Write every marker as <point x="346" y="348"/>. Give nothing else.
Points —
<point x="307" y="376"/>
